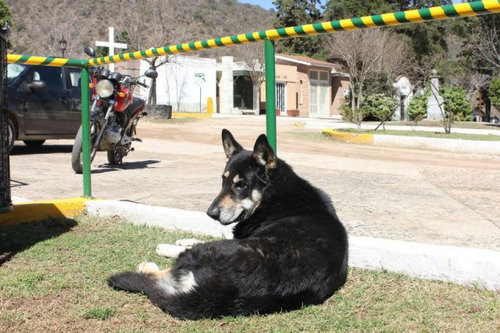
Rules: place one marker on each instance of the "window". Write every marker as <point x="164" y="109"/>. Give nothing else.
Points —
<point x="52" y="76"/>
<point x="74" y="75"/>
<point x="319" y="93"/>
<point x="14" y="70"/>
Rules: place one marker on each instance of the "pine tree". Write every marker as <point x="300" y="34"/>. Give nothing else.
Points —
<point x="298" y="12"/>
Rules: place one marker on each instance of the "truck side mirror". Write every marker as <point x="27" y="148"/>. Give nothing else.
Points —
<point x="89" y="50"/>
<point x="151" y="73"/>
<point x="38" y="86"/>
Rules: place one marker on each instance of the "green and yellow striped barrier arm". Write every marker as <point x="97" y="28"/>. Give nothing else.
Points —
<point x="374" y="21"/>
<point x="44" y="61"/>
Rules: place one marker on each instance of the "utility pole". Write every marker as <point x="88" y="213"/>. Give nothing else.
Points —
<point x="5" y="199"/>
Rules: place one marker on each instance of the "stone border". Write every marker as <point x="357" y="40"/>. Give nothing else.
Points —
<point x="348" y="137"/>
<point x="467" y="266"/>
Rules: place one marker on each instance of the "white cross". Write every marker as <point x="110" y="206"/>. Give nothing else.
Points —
<point x="111" y="45"/>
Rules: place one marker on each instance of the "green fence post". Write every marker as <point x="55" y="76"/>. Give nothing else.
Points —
<point x="270" y="94"/>
<point x="87" y="192"/>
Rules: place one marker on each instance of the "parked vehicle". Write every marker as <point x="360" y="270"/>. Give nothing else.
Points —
<point x="113" y="115"/>
<point x="43" y="103"/>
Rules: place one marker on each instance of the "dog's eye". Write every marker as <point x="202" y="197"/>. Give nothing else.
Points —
<point x="240" y="185"/>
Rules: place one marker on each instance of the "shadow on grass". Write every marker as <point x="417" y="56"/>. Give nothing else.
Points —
<point x="17" y="238"/>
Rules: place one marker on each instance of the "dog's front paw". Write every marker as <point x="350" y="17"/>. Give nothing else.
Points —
<point x="187" y="242"/>
<point x="147" y="267"/>
<point x="169" y="250"/>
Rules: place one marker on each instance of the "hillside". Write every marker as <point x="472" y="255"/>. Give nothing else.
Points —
<point x="39" y="25"/>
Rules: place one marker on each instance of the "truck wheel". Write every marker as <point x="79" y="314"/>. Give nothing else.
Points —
<point x="12" y="133"/>
<point x="34" y="143"/>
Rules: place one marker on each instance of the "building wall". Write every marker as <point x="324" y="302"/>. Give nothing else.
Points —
<point x="296" y="77"/>
<point x="177" y="84"/>
<point x="340" y="84"/>
<point x="288" y="75"/>
<point x="303" y="75"/>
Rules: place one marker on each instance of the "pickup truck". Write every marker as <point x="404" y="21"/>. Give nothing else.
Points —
<point x="43" y="103"/>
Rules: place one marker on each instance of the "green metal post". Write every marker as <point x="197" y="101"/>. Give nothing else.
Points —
<point x="270" y="94"/>
<point x="87" y="192"/>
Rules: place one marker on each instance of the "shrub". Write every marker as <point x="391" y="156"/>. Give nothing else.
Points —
<point x="380" y="106"/>
<point x="417" y="109"/>
<point x="456" y="105"/>
<point x="494" y="92"/>
<point x="346" y="112"/>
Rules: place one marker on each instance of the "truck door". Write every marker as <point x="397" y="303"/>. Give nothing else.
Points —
<point x="75" y="85"/>
<point x="48" y="111"/>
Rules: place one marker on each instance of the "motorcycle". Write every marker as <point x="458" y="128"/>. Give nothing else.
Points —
<point x="114" y="115"/>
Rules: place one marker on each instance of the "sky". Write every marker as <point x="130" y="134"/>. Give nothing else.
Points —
<point x="268" y="4"/>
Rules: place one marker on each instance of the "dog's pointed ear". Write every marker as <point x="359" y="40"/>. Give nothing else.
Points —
<point x="263" y="153"/>
<point x="230" y="145"/>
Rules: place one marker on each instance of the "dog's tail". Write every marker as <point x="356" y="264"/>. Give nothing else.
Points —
<point x="210" y="301"/>
<point x="131" y="281"/>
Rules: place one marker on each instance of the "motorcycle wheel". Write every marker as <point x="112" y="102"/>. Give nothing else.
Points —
<point x="76" y="153"/>
<point x="115" y="156"/>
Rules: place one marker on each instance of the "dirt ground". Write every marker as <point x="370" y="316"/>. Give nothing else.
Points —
<point x="408" y="194"/>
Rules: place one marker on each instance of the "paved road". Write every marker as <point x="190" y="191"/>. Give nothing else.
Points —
<point x="409" y="194"/>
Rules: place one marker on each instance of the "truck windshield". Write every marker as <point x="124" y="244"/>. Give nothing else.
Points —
<point x="14" y="70"/>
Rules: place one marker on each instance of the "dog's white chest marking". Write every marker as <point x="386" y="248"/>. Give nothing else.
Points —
<point x="186" y="283"/>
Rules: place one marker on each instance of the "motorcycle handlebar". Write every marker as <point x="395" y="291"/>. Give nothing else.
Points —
<point x="141" y="84"/>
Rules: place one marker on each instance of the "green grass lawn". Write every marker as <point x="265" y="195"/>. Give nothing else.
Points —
<point x="435" y="123"/>
<point x="461" y="136"/>
<point x="52" y="278"/>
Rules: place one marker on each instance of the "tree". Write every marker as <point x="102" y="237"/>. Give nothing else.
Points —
<point x="494" y="92"/>
<point x="375" y="51"/>
<point x="484" y="41"/>
<point x="5" y="15"/>
<point x="339" y="9"/>
<point x="253" y="56"/>
<point x="417" y="109"/>
<point x="455" y="106"/>
<point x="298" y="12"/>
<point x="162" y="16"/>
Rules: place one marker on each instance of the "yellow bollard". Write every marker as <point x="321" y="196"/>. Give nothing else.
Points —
<point x="210" y="107"/>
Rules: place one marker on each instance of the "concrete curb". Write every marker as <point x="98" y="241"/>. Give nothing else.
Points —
<point x="163" y="217"/>
<point x="467" y="266"/>
<point x="454" y="145"/>
<point x="40" y="210"/>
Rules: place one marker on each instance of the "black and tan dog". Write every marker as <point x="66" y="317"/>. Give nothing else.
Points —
<point x="289" y="247"/>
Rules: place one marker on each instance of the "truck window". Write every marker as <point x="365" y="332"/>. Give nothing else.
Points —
<point x="74" y="74"/>
<point x="52" y="76"/>
<point x="14" y="70"/>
